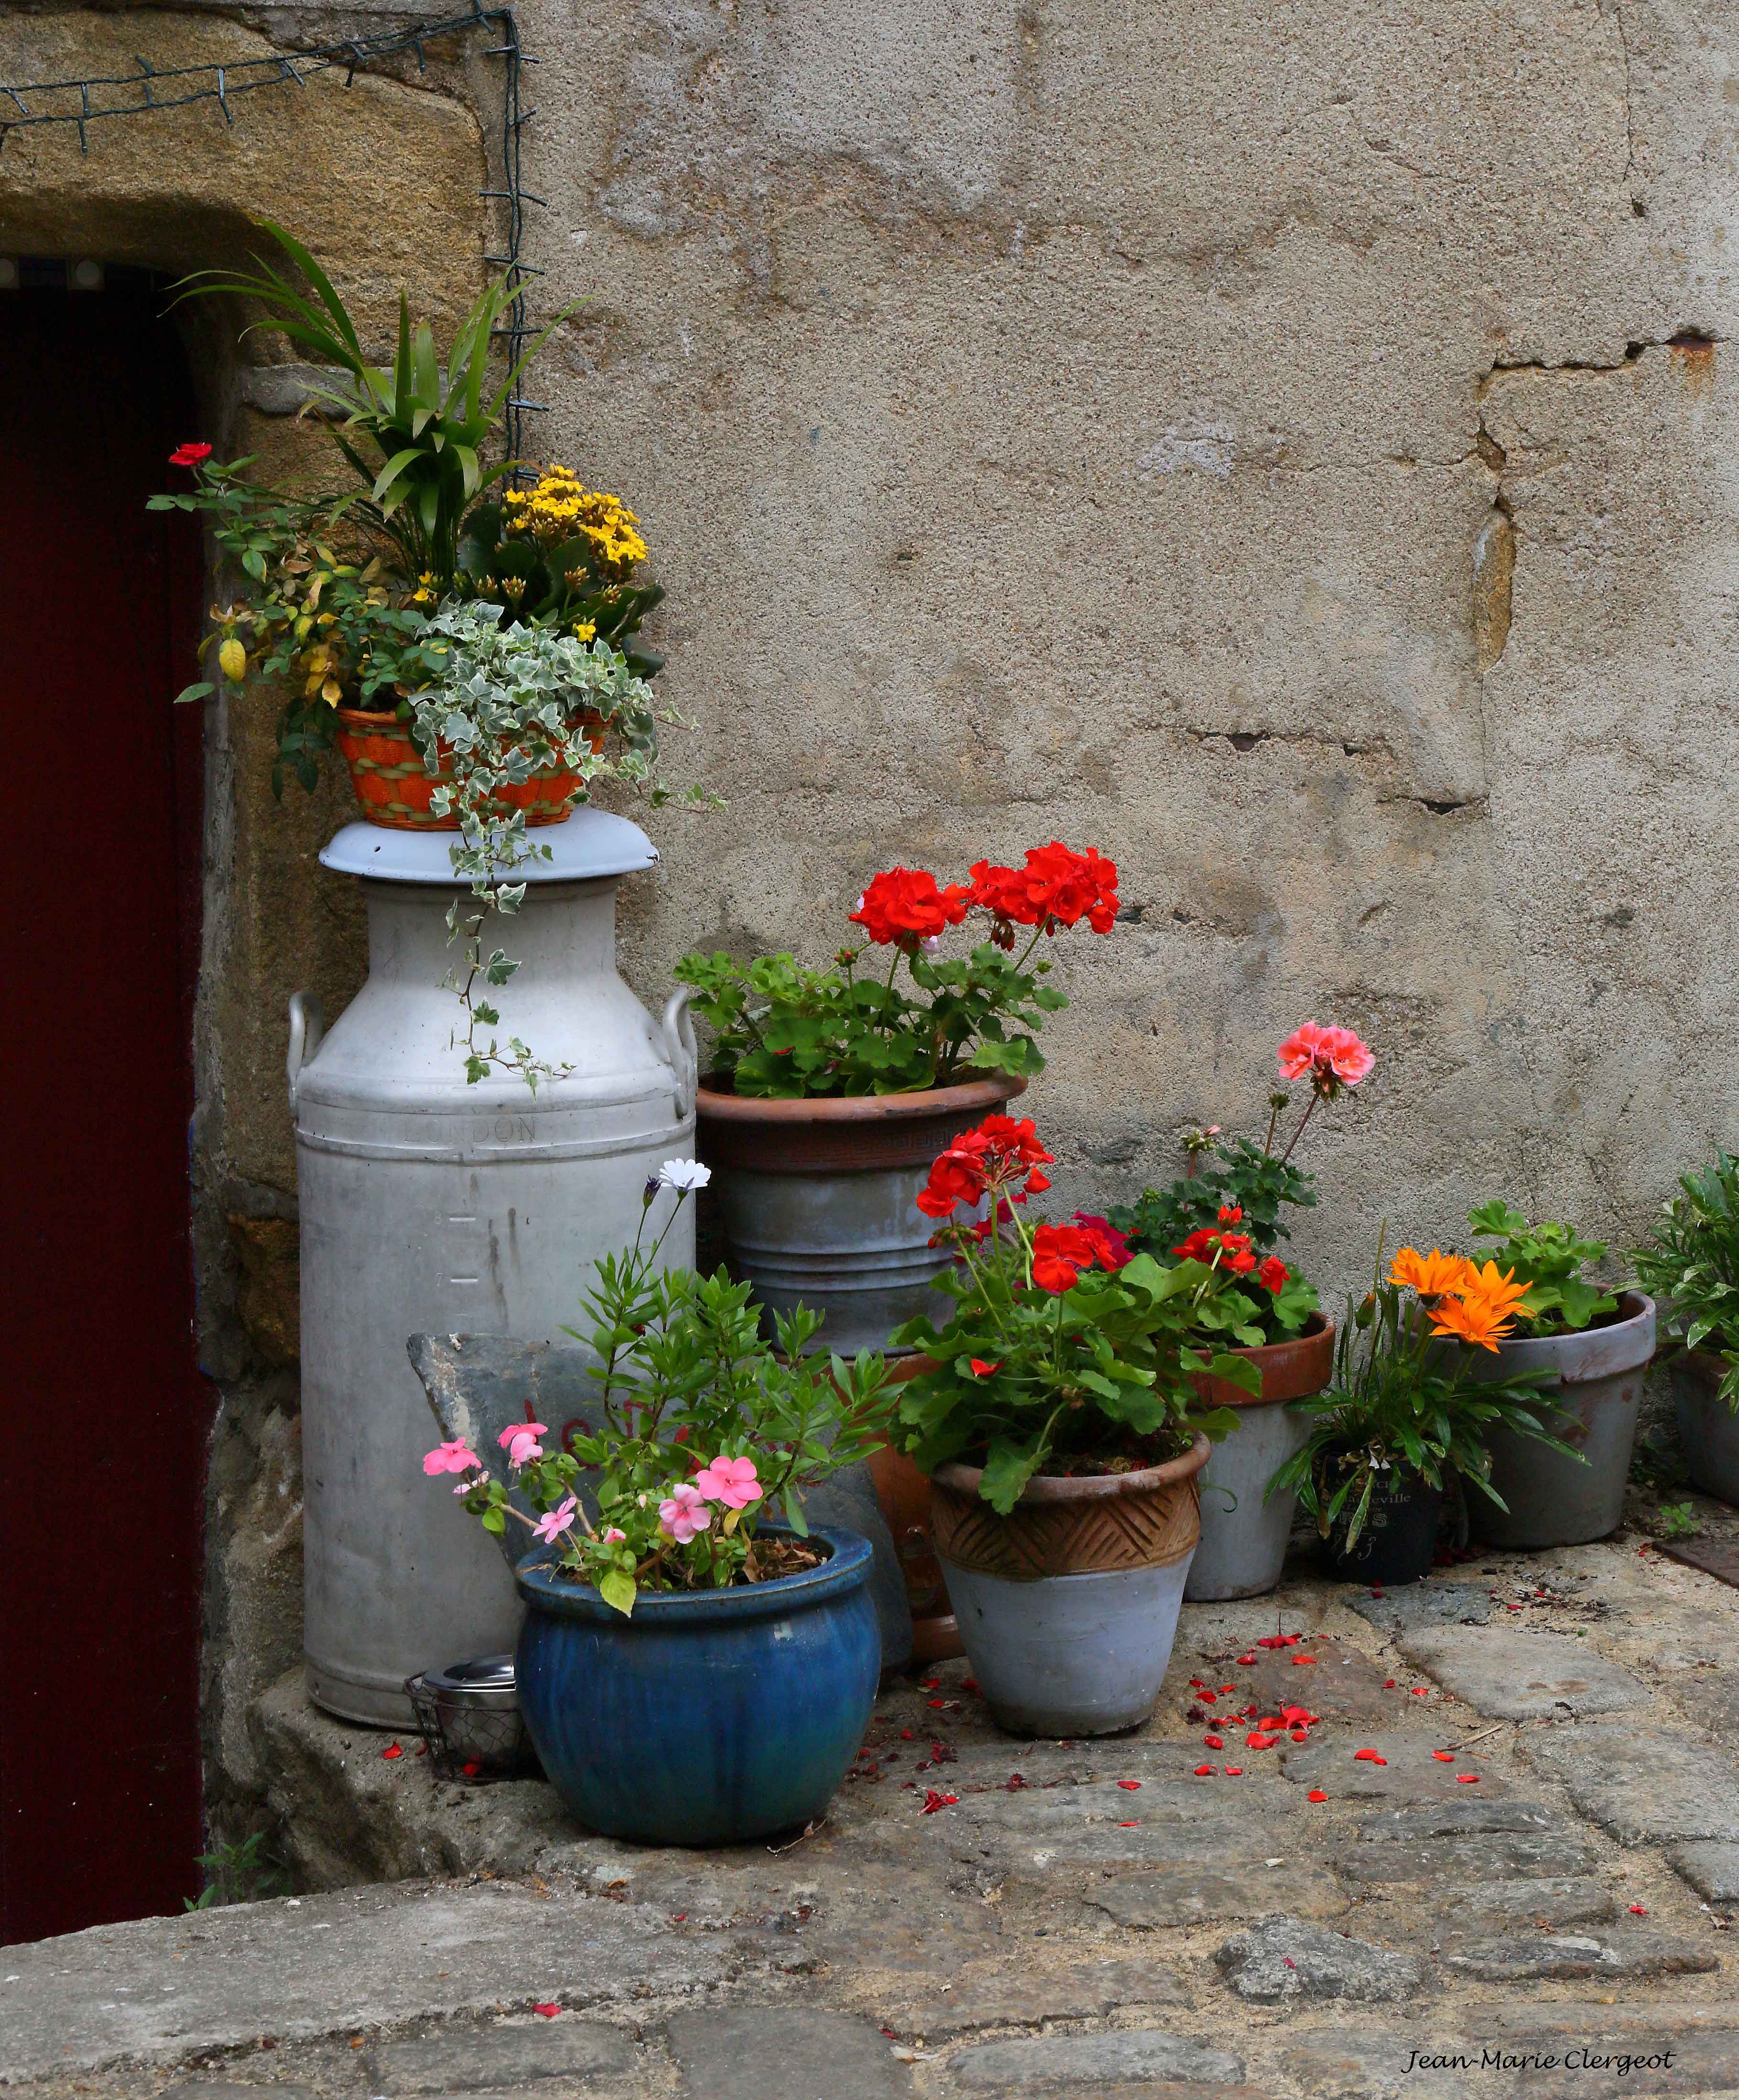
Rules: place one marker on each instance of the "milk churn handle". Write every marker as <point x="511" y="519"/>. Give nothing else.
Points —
<point x="680" y="1047"/>
<point x="307" y="1027"/>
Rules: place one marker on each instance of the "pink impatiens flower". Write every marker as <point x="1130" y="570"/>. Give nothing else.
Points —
<point x="684" y="1512"/>
<point x="554" y="1522"/>
<point x="731" y="1481"/>
<point x="614" y="1537"/>
<point x="455" y="1458"/>
<point x="520" y="1442"/>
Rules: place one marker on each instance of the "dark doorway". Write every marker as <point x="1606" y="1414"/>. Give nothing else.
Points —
<point x="104" y="1410"/>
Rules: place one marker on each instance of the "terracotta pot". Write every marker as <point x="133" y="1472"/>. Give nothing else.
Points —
<point x="818" y="1199"/>
<point x="1243" y="1535"/>
<point x="904" y="1493"/>
<point x="1068" y="1606"/>
<point x="392" y="789"/>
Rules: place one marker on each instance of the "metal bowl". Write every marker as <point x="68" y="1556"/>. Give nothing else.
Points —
<point x="477" y="1707"/>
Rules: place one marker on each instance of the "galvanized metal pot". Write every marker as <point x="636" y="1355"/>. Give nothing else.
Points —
<point x="429" y="1206"/>
<point x="1553" y="1500"/>
<point x="1243" y="1537"/>
<point x="1708" y="1427"/>
<point x="710" y="1716"/>
<point x="819" y="1199"/>
<point x="1068" y="1606"/>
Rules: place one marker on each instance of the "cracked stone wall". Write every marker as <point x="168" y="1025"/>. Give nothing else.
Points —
<point x="1290" y="448"/>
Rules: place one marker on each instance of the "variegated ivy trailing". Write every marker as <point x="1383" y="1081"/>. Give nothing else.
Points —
<point x="515" y="701"/>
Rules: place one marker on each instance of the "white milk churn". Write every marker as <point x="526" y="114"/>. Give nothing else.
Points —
<point x="430" y="1205"/>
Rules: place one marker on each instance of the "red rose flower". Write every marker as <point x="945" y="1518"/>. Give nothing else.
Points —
<point x="1274" y="1273"/>
<point x="903" y="905"/>
<point x="189" y="454"/>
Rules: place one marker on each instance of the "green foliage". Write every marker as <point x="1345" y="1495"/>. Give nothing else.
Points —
<point x="244" y="1873"/>
<point x="685" y="1374"/>
<point x="784" y="1032"/>
<point x="414" y="434"/>
<point x="1549" y="1258"/>
<point x="512" y="701"/>
<point x="1692" y="1268"/>
<point x="562" y="586"/>
<point x="1093" y="1371"/>
<point x="1229" y="1175"/>
<point x="1677" y="1520"/>
<point x="321" y="614"/>
<point x="1401" y="1401"/>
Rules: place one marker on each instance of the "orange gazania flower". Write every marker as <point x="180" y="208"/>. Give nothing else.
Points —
<point x="1432" y="1275"/>
<point x="1484" y="1310"/>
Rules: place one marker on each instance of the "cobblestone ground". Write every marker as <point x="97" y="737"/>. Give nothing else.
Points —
<point x="1514" y="1830"/>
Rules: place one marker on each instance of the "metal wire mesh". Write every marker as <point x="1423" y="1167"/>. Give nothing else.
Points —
<point x="475" y="1745"/>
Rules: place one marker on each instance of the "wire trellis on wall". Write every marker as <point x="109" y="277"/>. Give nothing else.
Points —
<point x="141" y="94"/>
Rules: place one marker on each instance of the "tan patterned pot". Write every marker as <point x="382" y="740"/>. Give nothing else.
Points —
<point x="1068" y="1605"/>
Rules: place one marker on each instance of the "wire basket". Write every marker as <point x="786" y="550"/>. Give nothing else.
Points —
<point x="469" y="1715"/>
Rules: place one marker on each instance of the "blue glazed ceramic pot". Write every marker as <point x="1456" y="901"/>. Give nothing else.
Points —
<point x="710" y="1716"/>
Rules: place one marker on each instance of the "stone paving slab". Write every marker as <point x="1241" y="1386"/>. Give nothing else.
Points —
<point x="513" y="2053"/>
<point x="1644" y="1786"/>
<point x="1423" y="1604"/>
<point x="1711" y="1869"/>
<point x="1497" y="1855"/>
<point x="1703" y="2041"/>
<point x="946" y="2005"/>
<point x="1332" y="1677"/>
<point x="783" y="2053"/>
<point x="1069" y="2062"/>
<point x="1409" y="1772"/>
<point x="1279" y="1958"/>
<point x="1571" y="1956"/>
<point x="154" y="1988"/>
<point x="1354" y="2066"/>
<point x="1177" y="1896"/>
<point x="1504" y="1906"/>
<point x="1517" y="1674"/>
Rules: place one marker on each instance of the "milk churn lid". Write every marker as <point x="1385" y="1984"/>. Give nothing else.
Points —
<point x="590" y="844"/>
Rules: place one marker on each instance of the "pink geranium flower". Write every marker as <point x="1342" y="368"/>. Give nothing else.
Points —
<point x="1331" y="1056"/>
<point x="554" y="1522"/>
<point x="684" y="1512"/>
<point x="731" y="1481"/>
<point x="520" y="1442"/>
<point x="455" y="1458"/>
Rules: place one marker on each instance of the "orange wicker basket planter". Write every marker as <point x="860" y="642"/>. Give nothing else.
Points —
<point x="386" y="770"/>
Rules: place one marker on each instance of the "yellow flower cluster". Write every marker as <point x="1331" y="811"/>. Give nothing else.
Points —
<point x="561" y="505"/>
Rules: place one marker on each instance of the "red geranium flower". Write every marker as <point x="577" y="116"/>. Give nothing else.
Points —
<point x="1057" y="887"/>
<point x="1231" y="1214"/>
<point x="1059" y="1253"/>
<point x="903" y="905"/>
<point x="997" y="1150"/>
<point x="189" y="454"/>
<point x="1112" y="1249"/>
<point x="1273" y="1273"/>
<point x="1201" y="1245"/>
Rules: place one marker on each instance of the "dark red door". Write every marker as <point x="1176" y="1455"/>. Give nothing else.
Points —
<point x="103" y="1411"/>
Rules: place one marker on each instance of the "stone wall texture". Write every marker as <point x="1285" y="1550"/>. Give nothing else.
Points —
<point x="1291" y="448"/>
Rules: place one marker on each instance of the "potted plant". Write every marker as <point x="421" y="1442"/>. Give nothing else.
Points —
<point x="1226" y="1209"/>
<point x="696" y="1666"/>
<point x="1593" y="1345"/>
<point x="1692" y="1269"/>
<point x="831" y="1090"/>
<point x="1057" y="1416"/>
<point x="1406" y="1415"/>
<point x="469" y="650"/>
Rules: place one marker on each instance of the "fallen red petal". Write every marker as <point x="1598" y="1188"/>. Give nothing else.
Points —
<point x="1202" y="1771"/>
<point x="1214" y="1742"/>
<point x="906" y="1735"/>
<point x="1258" y="1742"/>
<point x="1299" y="1660"/>
<point x="935" y="1702"/>
<point x="392" y="1750"/>
<point x="549" y="2012"/>
<point x="1466" y="1779"/>
<point x="471" y="1770"/>
<point x="1389" y="1684"/>
<point x="1316" y="1794"/>
<point x="1129" y="1826"/>
<point x="1130" y="1785"/>
<point x="1364" y="1757"/>
<point x="1235" y="1772"/>
<point x="1301" y="1735"/>
<point x="1228" y="1687"/>
<point x="1637" y="1911"/>
<point x="1244" y="1661"/>
<point x="969" y="1684"/>
<point x="1444" y="1757"/>
<point x="1208" y="1697"/>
